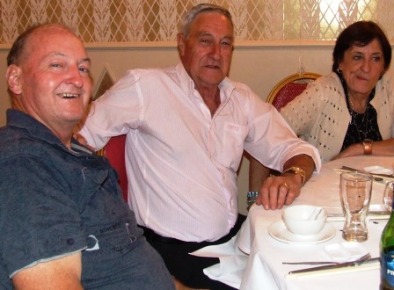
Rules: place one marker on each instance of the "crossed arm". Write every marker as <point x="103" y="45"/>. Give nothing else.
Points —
<point x="382" y="148"/>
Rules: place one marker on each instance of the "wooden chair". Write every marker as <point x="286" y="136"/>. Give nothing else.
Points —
<point x="282" y="93"/>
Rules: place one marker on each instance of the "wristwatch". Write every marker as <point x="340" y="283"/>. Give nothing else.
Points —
<point x="367" y="143"/>
<point x="298" y="171"/>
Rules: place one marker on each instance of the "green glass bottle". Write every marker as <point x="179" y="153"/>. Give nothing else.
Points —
<point x="387" y="255"/>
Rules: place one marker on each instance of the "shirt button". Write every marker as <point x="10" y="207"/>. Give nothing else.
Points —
<point x="70" y="241"/>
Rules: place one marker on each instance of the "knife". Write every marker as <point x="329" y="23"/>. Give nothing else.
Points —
<point x="369" y="262"/>
<point x="363" y="171"/>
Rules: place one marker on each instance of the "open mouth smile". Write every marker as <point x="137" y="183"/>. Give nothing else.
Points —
<point x="69" y="95"/>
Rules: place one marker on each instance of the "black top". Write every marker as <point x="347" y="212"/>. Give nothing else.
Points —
<point x="362" y="125"/>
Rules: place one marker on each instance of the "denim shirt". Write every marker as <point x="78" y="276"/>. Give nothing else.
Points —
<point x="56" y="201"/>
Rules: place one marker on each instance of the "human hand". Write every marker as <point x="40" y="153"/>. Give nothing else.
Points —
<point x="352" y="150"/>
<point x="277" y="191"/>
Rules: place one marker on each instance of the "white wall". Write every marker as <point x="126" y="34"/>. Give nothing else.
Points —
<point x="259" y="66"/>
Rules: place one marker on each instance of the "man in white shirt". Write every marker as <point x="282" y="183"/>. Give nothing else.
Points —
<point x="187" y="127"/>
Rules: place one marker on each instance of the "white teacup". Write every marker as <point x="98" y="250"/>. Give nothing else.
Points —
<point x="304" y="219"/>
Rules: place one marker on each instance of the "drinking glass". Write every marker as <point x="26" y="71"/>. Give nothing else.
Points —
<point x="388" y="195"/>
<point x="355" y="192"/>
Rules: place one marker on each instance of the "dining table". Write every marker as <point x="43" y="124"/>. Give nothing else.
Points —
<point x="255" y="258"/>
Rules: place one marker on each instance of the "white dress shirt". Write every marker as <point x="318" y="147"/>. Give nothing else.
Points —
<point x="181" y="162"/>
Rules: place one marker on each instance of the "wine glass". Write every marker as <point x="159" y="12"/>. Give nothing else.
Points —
<point x="388" y="195"/>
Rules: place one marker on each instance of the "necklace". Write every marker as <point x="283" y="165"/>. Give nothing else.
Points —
<point x="352" y="106"/>
<point x="359" y="121"/>
<point x="362" y="125"/>
<point x="359" y="124"/>
<point x="357" y="118"/>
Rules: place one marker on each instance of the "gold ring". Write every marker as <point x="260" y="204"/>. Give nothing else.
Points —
<point x="285" y="185"/>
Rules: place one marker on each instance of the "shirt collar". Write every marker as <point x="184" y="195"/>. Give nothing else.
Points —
<point x="226" y="86"/>
<point x="23" y="121"/>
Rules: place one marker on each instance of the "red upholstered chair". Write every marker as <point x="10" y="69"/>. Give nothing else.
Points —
<point x="114" y="150"/>
<point x="283" y="92"/>
<point x="290" y="87"/>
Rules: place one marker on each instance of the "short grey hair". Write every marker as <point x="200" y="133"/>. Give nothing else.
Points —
<point x="189" y="17"/>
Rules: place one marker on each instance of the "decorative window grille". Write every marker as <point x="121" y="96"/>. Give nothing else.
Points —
<point x="143" y="21"/>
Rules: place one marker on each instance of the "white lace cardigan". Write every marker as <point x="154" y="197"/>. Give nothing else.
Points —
<point x="320" y="115"/>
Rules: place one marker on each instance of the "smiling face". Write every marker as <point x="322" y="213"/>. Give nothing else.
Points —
<point x="206" y="52"/>
<point x="52" y="80"/>
<point x="362" y="66"/>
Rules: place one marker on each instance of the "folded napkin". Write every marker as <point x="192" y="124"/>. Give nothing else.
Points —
<point x="229" y="271"/>
<point x="375" y="212"/>
<point x="231" y="266"/>
<point x="345" y="251"/>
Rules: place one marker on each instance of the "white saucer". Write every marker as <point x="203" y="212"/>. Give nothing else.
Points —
<point x="279" y="232"/>
<point x="378" y="170"/>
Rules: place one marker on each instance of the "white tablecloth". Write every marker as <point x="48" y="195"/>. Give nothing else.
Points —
<point x="259" y="263"/>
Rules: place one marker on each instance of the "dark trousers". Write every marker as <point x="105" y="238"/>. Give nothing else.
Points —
<point x="188" y="268"/>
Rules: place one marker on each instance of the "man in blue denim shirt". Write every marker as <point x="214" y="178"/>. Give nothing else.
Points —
<point x="62" y="219"/>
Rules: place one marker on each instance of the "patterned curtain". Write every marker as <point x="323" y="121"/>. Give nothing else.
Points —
<point x="103" y="21"/>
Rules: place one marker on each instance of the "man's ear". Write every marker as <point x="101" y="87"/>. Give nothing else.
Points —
<point x="181" y="43"/>
<point x="13" y="77"/>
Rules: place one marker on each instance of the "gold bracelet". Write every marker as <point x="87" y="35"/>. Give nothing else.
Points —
<point x="298" y="171"/>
